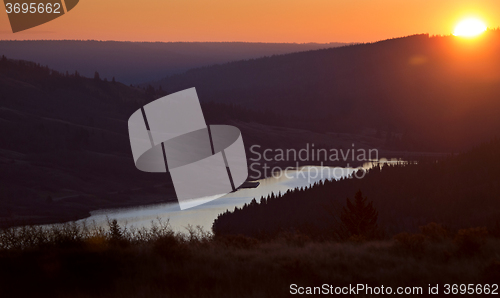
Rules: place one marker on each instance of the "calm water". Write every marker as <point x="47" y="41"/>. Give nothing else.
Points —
<point x="204" y="215"/>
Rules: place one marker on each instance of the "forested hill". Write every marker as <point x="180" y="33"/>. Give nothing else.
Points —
<point x="64" y="145"/>
<point x="442" y="93"/>
<point x="459" y="192"/>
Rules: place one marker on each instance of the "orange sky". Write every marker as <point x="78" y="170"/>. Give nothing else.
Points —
<point x="257" y="20"/>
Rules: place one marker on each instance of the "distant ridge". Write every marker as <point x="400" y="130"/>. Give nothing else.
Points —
<point x="138" y="62"/>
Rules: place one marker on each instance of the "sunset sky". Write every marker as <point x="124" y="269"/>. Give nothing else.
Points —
<point x="258" y="20"/>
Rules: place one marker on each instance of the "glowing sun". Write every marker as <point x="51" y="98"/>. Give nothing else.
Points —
<point x="470" y="28"/>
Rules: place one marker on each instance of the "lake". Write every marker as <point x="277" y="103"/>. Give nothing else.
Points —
<point x="204" y="215"/>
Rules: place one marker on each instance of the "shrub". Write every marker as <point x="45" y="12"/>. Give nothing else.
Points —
<point x="357" y="239"/>
<point x="470" y="241"/>
<point x="171" y="247"/>
<point x="296" y="239"/>
<point x="495" y="231"/>
<point x="434" y="232"/>
<point x="237" y="241"/>
<point x="414" y="243"/>
<point x="96" y="243"/>
<point x="491" y="273"/>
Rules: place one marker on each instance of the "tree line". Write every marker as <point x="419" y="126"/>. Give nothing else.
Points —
<point x="457" y="191"/>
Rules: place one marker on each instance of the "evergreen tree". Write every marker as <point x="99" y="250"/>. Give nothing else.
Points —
<point x="359" y="217"/>
<point x="115" y="230"/>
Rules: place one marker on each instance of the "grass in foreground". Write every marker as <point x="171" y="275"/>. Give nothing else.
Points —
<point x="81" y="261"/>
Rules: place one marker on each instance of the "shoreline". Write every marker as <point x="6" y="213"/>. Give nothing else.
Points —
<point x="148" y="199"/>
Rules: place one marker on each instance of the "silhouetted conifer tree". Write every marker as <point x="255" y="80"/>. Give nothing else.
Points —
<point x="115" y="230"/>
<point x="359" y="217"/>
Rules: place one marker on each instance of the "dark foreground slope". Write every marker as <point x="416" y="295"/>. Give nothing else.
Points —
<point x="138" y="62"/>
<point x="460" y="191"/>
<point x="441" y="93"/>
<point x="71" y="262"/>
